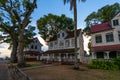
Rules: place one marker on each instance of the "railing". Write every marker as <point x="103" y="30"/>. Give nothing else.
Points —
<point x="16" y="74"/>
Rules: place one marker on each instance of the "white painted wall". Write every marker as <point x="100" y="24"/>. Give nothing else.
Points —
<point x="35" y="42"/>
<point x="64" y="46"/>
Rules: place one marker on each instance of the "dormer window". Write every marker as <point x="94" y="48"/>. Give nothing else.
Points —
<point x="31" y="46"/>
<point x="115" y="22"/>
<point x="63" y="35"/>
<point x="58" y="35"/>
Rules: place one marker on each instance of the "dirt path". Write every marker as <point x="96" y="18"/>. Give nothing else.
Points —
<point x="3" y="71"/>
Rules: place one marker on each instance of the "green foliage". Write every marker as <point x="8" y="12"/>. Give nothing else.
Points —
<point x="104" y="14"/>
<point x="103" y="64"/>
<point x="87" y="31"/>
<point x="50" y="24"/>
<point x="117" y="61"/>
<point x="15" y="17"/>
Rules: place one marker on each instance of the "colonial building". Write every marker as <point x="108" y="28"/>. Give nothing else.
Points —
<point x="33" y="51"/>
<point x="61" y="47"/>
<point x="106" y="39"/>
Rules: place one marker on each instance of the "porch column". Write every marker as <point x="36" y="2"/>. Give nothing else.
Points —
<point x="48" y="57"/>
<point x="59" y="57"/>
<point x="107" y="54"/>
<point x="53" y="56"/>
<point x="66" y="56"/>
<point x="93" y="55"/>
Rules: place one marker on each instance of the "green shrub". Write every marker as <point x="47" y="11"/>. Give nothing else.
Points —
<point x="117" y="61"/>
<point x="103" y="64"/>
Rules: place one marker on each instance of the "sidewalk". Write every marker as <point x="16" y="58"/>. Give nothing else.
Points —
<point x="4" y="75"/>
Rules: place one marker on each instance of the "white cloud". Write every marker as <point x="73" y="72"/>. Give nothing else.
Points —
<point x="4" y="50"/>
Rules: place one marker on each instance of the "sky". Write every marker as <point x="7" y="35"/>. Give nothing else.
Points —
<point x="57" y="7"/>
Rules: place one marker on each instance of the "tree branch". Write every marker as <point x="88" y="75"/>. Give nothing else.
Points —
<point x="28" y="13"/>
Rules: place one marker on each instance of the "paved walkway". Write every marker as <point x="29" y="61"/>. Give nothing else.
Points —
<point x="3" y="71"/>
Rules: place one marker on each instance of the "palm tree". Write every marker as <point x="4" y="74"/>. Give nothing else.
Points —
<point x="73" y="6"/>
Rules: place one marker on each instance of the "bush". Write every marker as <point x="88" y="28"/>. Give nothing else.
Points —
<point x="117" y="61"/>
<point x="103" y="64"/>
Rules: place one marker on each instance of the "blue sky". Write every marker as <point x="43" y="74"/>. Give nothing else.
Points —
<point x="57" y="7"/>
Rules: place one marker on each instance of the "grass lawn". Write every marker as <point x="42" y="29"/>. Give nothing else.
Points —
<point x="33" y="63"/>
<point x="65" y="72"/>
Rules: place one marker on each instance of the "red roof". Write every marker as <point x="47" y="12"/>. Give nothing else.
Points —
<point x="106" y="48"/>
<point x="101" y="27"/>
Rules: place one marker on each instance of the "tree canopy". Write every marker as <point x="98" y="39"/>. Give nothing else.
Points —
<point x="14" y="18"/>
<point x="50" y="24"/>
<point x="103" y="14"/>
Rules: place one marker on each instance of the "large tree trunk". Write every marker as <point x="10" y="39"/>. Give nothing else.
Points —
<point x="20" y="54"/>
<point x="14" y="52"/>
<point x="76" y="65"/>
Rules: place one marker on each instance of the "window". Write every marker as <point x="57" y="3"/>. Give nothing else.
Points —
<point x="36" y="41"/>
<point x="109" y="37"/>
<point x="62" y="34"/>
<point x="98" y="39"/>
<point x="115" y="22"/>
<point x="119" y="35"/>
<point x="100" y="55"/>
<point x="31" y="46"/>
<point x="36" y="47"/>
<point x="51" y="44"/>
<point x="56" y="42"/>
<point x="61" y="43"/>
<point x="73" y="42"/>
<point x="67" y="43"/>
<point x="58" y="35"/>
<point x="113" y="54"/>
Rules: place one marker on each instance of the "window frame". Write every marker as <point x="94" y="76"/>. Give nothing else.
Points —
<point x="98" y="38"/>
<point x="119" y="35"/>
<point x="115" y="22"/>
<point x="35" y="46"/>
<point x="51" y="44"/>
<point x="58" y="35"/>
<point x="109" y="38"/>
<point x="67" y="43"/>
<point x="32" y="46"/>
<point x="63" y="34"/>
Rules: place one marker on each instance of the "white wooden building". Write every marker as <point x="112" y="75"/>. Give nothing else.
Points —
<point x="33" y="51"/>
<point x="106" y="39"/>
<point x="61" y="47"/>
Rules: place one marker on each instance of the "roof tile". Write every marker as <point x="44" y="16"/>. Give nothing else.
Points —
<point x="101" y="27"/>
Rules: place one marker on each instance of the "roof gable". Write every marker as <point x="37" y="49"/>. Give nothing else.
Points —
<point x="116" y="15"/>
<point x="38" y="41"/>
<point x="70" y="34"/>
